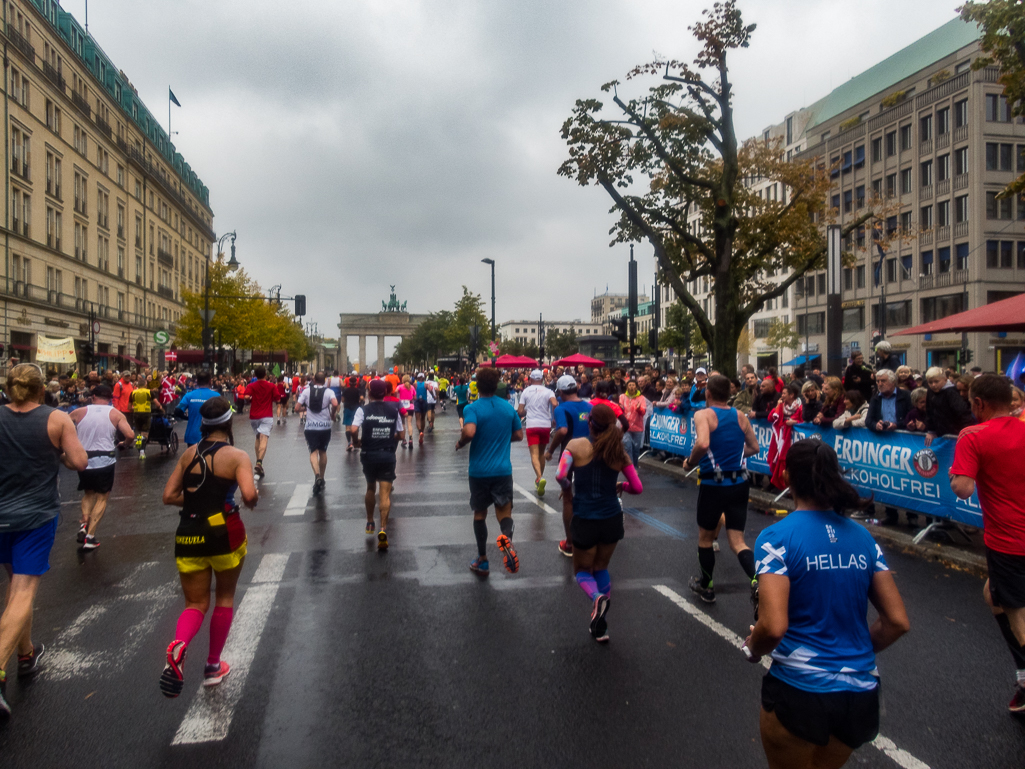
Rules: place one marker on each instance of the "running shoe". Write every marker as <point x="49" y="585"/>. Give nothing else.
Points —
<point x="715" y="546"/>
<point x="214" y="674"/>
<point x="258" y="470"/>
<point x="1017" y="703"/>
<point x="706" y="594"/>
<point x="349" y="447"/>
<point x="28" y="665"/>
<point x="318" y="485"/>
<point x="410" y="446"/>
<point x="172" y="680"/>
<point x="382" y="540"/>
<point x="421" y="438"/>
<point x="403" y="443"/>
<point x="480" y="565"/>
<point x="5" y="709"/>
<point x="90" y="543"/>
<point x="541" y="487"/>
<point x="599" y="627"/>
<point x="142" y="453"/>
<point x="370" y="527"/>
<point x="82" y="530"/>
<point x="566" y="548"/>
<point x="510" y="560"/>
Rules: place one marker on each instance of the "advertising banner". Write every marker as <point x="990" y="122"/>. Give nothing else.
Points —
<point x="673" y="432"/>
<point x="55" y="350"/>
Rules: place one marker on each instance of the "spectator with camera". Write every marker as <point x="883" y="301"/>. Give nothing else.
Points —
<point x="889" y="407"/>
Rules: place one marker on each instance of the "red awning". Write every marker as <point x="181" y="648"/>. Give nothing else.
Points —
<point x="136" y="361"/>
<point x="579" y="360"/>
<point x="1005" y="315"/>
<point x="190" y="356"/>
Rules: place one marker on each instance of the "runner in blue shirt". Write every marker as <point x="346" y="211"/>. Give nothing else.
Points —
<point x="817" y="571"/>
<point x="571" y="421"/>
<point x="190" y="405"/>
<point x="492" y="424"/>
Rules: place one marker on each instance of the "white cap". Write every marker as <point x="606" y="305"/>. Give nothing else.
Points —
<point x="536" y="374"/>
<point x="566" y="382"/>
<point x="701" y="370"/>
<point x="420" y="376"/>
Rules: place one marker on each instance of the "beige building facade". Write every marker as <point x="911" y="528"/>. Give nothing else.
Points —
<point x="105" y="221"/>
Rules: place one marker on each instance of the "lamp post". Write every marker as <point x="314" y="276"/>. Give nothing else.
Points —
<point x="232" y="265"/>
<point x="492" y="263"/>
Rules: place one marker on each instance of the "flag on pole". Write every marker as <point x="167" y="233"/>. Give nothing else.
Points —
<point x="173" y="98"/>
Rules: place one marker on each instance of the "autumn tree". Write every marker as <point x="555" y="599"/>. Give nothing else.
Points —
<point x="679" y="178"/>
<point x="782" y="335"/>
<point x="559" y="344"/>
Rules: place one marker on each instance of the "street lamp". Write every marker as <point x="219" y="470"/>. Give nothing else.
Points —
<point x="492" y="263"/>
<point x="232" y="265"/>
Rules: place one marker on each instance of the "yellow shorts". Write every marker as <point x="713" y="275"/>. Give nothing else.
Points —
<point x="215" y="562"/>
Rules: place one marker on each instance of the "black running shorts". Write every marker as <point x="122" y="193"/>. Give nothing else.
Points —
<point x="586" y="533"/>
<point x="1006" y="579"/>
<point x="317" y="440"/>
<point x="459" y="409"/>
<point x="100" y="479"/>
<point x="851" y="717"/>
<point x="376" y="472"/>
<point x="484" y="492"/>
<point x="713" y="501"/>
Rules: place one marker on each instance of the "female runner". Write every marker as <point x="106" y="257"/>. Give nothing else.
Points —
<point x="210" y="539"/>
<point x="597" y="524"/>
<point x="406" y="395"/>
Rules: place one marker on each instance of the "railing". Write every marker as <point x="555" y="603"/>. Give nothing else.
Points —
<point x="942" y="188"/>
<point x="53" y="189"/>
<point x="120" y="272"/>
<point x="165" y="258"/>
<point x="947" y="87"/>
<point x="121" y="144"/>
<point x="104" y="126"/>
<point x="943" y="233"/>
<point x="121" y="231"/>
<point x="54" y="76"/>
<point x="847" y="136"/>
<point x="924" y="148"/>
<point x="961" y="181"/>
<point x="943" y="140"/>
<point x="165" y="292"/>
<point x="21" y="42"/>
<point x="961" y="133"/>
<point x="990" y="75"/>
<point x="961" y="230"/>
<point x="895" y="113"/>
<point x="925" y="193"/>
<point x="103" y="220"/>
<point x="925" y="238"/>
<point x="81" y="103"/>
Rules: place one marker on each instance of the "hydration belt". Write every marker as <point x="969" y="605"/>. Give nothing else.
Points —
<point x="736" y="475"/>
<point x="93" y="454"/>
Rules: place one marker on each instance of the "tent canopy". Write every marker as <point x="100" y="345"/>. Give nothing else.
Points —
<point x="515" y="361"/>
<point x="1005" y="315"/>
<point x="579" y="360"/>
<point x="803" y="360"/>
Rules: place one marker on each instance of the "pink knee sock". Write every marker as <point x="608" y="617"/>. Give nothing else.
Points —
<point x="188" y="625"/>
<point x="220" y="624"/>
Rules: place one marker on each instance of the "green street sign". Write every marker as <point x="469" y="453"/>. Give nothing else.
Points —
<point x="162" y="337"/>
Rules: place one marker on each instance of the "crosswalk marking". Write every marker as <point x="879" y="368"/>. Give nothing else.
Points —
<point x="533" y="497"/>
<point x="300" y="498"/>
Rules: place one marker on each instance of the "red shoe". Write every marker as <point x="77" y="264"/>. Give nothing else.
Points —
<point x="214" y="674"/>
<point x="1017" y="703"/>
<point x="172" y="680"/>
<point x="421" y="438"/>
<point x="566" y="548"/>
<point x="511" y="560"/>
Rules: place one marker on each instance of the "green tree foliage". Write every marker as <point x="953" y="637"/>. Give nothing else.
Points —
<point x="1003" y="41"/>
<point x="446" y="332"/>
<point x="673" y="153"/>
<point x="559" y="344"/>
<point x="782" y="335"/>
<point x="680" y="332"/>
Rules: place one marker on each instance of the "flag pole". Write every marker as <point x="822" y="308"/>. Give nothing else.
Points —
<point x="168" y="116"/>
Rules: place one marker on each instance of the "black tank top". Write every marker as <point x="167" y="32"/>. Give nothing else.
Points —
<point x="208" y="493"/>
<point x="29" y="492"/>
<point x="380" y="423"/>
<point x="594" y="490"/>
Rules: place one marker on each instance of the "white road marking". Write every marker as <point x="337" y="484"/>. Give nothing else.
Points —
<point x="900" y="757"/>
<point x="300" y="498"/>
<point x="271" y="568"/>
<point x="532" y="497"/>
<point x="209" y="716"/>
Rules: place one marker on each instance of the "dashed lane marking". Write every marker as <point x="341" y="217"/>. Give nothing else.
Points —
<point x="300" y="498"/>
<point x="532" y="497"/>
<point x="884" y="744"/>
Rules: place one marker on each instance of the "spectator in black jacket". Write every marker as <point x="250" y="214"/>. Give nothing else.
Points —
<point x="812" y="405"/>
<point x="858" y="376"/>
<point x="915" y="421"/>
<point x="946" y="412"/>
<point x="889" y="407"/>
<point x="765" y="401"/>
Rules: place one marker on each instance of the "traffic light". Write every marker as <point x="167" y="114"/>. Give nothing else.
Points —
<point x="300" y="304"/>
<point x="969" y="355"/>
<point x="619" y="329"/>
<point x="541" y="353"/>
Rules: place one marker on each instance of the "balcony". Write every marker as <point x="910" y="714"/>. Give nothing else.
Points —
<point x="925" y="193"/>
<point x="925" y="238"/>
<point x="943" y="141"/>
<point x="165" y="258"/>
<point x="961" y="230"/>
<point x="943" y="234"/>
<point x="942" y="188"/>
<point x="166" y="292"/>
<point x="54" y="77"/>
<point x="81" y="104"/>
<point x="961" y="182"/>
<point x="103" y="126"/>
<point x="121" y="232"/>
<point x="961" y="133"/>
<point x="103" y="220"/>
<point x="53" y="189"/>
<point x="122" y="145"/>
<point x="924" y="148"/>
<point x="20" y="42"/>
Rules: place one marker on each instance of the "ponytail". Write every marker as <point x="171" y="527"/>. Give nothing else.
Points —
<point x="606" y="439"/>
<point x="815" y="475"/>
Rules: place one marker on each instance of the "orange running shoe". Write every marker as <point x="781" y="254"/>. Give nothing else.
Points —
<point x="511" y="560"/>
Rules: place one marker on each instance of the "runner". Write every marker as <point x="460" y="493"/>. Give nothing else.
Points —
<point x="98" y="425"/>
<point x="420" y="407"/>
<point x="351" y="401"/>
<point x="492" y="425"/>
<point x="281" y="398"/>
<point x="34" y="440"/>
<point x="443" y="385"/>
<point x="335" y="383"/>
<point x="820" y="698"/>
<point x="590" y="468"/>
<point x="261" y="414"/>
<point x="320" y="406"/>
<point x="382" y="430"/>
<point x="123" y="397"/>
<point x="210" y="539"/>
<point x="191" y="403"/>
<point x="536" y="404"/>
<point x="987" y="459"/>
<point x="142" y="399"/>
<point x="432" y="401"/>
<point x="461" y="392"/>
<point x="406" y="395"/>
<point x="723" y="439"/>
<point x="603" y="392"/>
<point x="571" y="422"/>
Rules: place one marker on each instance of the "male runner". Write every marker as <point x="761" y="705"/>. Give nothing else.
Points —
<point x="142" y="399"/>
<point x="988" y="458"/>
<point x="190" y="404"/>
<point x="123" y="396"/>
<point x="442" y="391"/>
<point x="382" y="431"/>
<point x="492" y="425"/>
<point x="571" y="421"/>
<point x="321" y="407"/>
<point x="98" y="425"/>
<point x="260" y="394"/>
<point x="351" y="401"/>
<point x="420" y="406"/>
<point x="432" y="400"/>
<point x="723" y="439"/>
<point x="536" y="404"/>
<point x="335" y="383"/>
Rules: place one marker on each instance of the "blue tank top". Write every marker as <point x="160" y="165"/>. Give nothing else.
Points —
<point x="594" y="490"/>
<point x="725" y="450"/>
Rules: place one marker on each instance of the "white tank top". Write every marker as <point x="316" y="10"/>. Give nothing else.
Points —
<point x="96" y="433"/>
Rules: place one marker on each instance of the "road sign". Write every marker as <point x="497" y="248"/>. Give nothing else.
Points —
<point x="96" y="327"/>
<point x="161" y="337"/>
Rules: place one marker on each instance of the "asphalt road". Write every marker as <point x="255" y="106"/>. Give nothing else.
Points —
<point x="344" y="656"/>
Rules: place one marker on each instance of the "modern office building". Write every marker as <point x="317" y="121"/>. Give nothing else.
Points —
<point x="525" y="331"/>
<point x="602" y="305"/>
<point x="139" y="227"/>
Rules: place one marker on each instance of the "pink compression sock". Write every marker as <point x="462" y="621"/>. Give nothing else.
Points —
<point x="220" y="624"/>
<point x="587" y="583"/>
<point x="188" y="625"/>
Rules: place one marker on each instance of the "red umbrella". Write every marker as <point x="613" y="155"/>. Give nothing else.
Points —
<point x="1005" y="315"/>
<point x="579" y="360"/>
<point x="515" y="361"/>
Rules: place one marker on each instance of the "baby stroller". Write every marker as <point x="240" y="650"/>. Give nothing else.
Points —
<point x="161" y="431"/>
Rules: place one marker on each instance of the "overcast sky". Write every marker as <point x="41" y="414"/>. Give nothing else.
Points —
<point x="357" y="144"/>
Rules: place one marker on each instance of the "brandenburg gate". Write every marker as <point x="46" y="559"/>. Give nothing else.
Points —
<point x="392" y="320"/>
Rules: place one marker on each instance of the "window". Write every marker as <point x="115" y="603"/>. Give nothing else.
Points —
<point x="997" y="110"/>
<point x="762" y="327"/>
<point x="1021" y="158"/>
<point x="997" y="209"/>
<point x="891" y="226"/>
<point x="925" y="128"/>
<point x="962" y="255"/>
<point x="859" y="274"/>
<point x="877" y="149"/>
<point x="943" y="121"/>
<point x="835" y="201"/>
<point x="848" y="198"/>
<point x="943" y="213"/>
<point x="891" y="270"/>
<point x="905" y="181"/>
<point x="961" y="209"/>
<point x="927" y="173"/>
<point x="963" y="66"/>
<point x="848" y="159"/>
<point x="877" y="189"/>
<point x="20" y="154"/>
<point x="891" y="144"/>
<point x="897" y="314"/>
<point x="961" y="113"/>
<point x="854" y="319"/>
<point x="943" y="168"/>
<point x="80" y="193"/>
<point x="859" y="195"/>
<point x="961" y="161"/>
<point x="937" y="307"/>
<point x="859" y="156"/>
<point x="999" y="157"/>
<point x="891" y="185"/>
<point x="926" y="262"/>
<point x="790" y="130"/>
<point x="905" y="267"/>
<point x="812" y="323"/>
<point x="905" y="222"/>
<point x="121" y="176"/>
<point x="1021" y="254"/>
<point x="998" y="254"/>
<point x="848" y="279"/>
<point x="925" y="218"/>
<point x="822" y="282"/>
<point x="905" y="137"/>
<point x="943" y="257"/>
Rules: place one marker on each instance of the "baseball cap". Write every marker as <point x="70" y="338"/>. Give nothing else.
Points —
<point x="378" y="388"/>
<point x="536" y="374"/>
<point x="701" y="370"/>
<point x="566" y="383"/>
<point x="420" y="376"/>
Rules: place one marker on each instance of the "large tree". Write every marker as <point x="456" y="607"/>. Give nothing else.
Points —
<point x="679" y="178"/>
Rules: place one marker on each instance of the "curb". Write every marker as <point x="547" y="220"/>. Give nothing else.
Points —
<point x="951" y="556"/>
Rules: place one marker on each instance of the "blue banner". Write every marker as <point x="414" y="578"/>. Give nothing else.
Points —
<point x="896" y="468"/>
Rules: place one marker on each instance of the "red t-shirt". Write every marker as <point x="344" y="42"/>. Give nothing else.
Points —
<point x="992" y="453"/>
<point x="263" y="393"/>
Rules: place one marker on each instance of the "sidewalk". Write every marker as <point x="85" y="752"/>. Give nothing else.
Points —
<point x="966" y="557"/>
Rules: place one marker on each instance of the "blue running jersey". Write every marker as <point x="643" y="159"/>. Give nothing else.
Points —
<point x="725" y="449"/>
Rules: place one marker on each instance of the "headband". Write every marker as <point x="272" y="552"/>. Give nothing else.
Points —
<point x="222" y="419"/>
